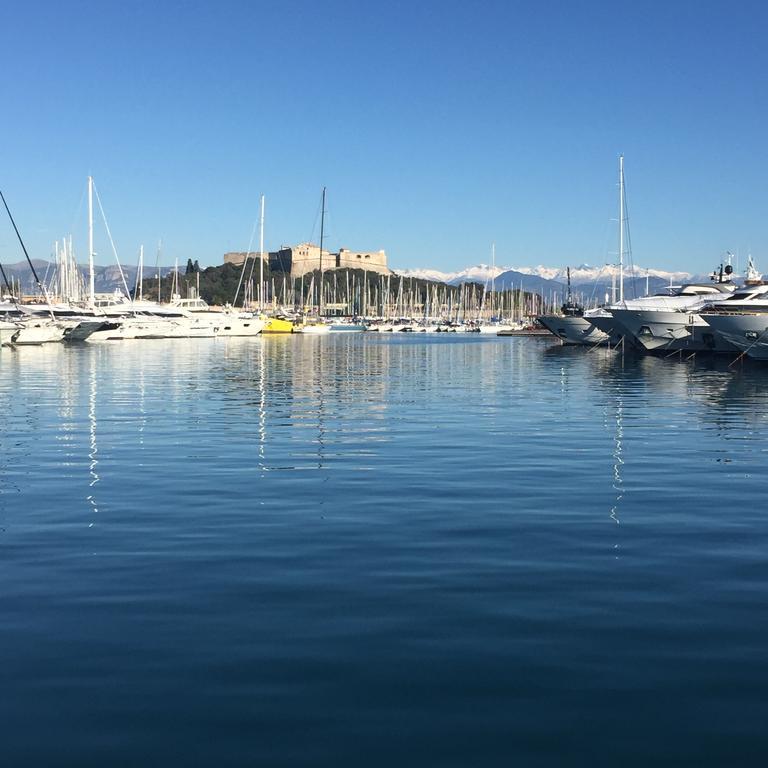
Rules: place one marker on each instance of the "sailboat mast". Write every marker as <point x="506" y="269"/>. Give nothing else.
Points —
<point x="91" y="282"/>
<point x="621" y="228"/>
<point x="141" y="273"/>
<point x="493" y="278"/>
<point x="261" y="257"/>
<point x="322" y="232"/>
<point x="157" y="262"/>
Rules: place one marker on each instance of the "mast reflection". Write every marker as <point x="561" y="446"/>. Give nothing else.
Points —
<point x="93" y="448"/>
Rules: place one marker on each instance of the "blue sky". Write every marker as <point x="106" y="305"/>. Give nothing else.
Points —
<point x="438" y="128"/>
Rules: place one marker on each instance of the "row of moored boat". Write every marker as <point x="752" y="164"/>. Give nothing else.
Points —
<point x="717" y="317"/>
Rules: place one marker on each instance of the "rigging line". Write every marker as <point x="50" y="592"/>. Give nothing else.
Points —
<point x="250" y="274"/>
<point x="112" y="243"/>
<point x="242" y="271"/>
<point x="29" y="261"/>
<point x="136" y="283"/>
<point x="628" y="236"/>
<point x="8" y="285"/>
<point x="314" y="225"/>
<point x="77" y="213"/>
<point x="594" y="282"/>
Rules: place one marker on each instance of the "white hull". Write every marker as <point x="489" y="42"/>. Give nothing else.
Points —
<point x="493" y="329"/>
<point x="39" y="332"/>
<point x="315" y="329"/>
<point x="610" y="326"/>
<point x="743" y="332"/>
<point x="574" y="329"/>
<point x="664" y="331"/>
<point x="655" y="329"/>
<point x="6" y="332"/>
<point x="232" y="325"/>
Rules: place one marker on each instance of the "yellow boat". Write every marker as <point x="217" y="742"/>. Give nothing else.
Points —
<point x="277" y="325"/>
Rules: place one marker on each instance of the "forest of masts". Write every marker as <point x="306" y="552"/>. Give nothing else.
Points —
<point x="355" y="292"/>
<point x="352" y="292"/>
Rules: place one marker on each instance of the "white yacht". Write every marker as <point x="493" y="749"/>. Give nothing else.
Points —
<point x="742" y="321"/>
<point x="574" y="325"/>
<point x="38" y="330"/>
<point x="671" y="322"/>
<point x="227" y="322"/>
<point x="578" y="326"/>
<point x="7" y="329"/>
<point x="183" y="318"/>
<point x="493" y="327"/>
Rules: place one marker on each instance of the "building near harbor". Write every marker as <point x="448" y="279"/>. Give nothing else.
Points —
<point x="297" y="260"/>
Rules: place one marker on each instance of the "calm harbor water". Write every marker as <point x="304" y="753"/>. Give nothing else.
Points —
<point x="380" y="550"/>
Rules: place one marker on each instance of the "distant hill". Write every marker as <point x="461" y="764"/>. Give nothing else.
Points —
<point x="106" y="278"/>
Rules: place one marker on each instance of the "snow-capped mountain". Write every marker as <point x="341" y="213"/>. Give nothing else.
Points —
<point x="480" y="273"/>
<point x="584" y="273"/>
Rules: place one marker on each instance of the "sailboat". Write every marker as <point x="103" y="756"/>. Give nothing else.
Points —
<point x="317" y="325"/>
<point x="34" y="327"/>
<point x="574" y="324"/>
<point x="494" y="324"/>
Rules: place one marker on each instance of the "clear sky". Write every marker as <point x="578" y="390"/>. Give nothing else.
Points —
<point x="438" y="127"/>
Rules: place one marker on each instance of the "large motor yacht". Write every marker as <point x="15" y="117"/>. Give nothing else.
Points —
<point x="742" y="321"/>
<point x="574" y="325"/>
<point x="671" y="322"/>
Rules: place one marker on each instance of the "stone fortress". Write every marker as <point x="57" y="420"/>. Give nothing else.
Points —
<point x="297" y="260"/>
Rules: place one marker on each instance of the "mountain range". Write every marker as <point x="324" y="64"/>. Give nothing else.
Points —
<point x="588" y="283"/>
<point x="106" y="279"/>
<point x="482" y="273"/>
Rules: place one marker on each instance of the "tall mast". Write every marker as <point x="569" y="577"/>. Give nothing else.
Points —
<point x="261" y="257"/>
<point x="91" y="284"/>
<point x="141" y="274"/>
<point x="157" y="262"/>
<point x="322" y="231"/>
<point x="621" y="228"/>
<point x="493" y="278"/>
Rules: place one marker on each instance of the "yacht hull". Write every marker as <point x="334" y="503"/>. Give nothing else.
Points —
<point x="610" y="326"/>
<point x="574" y="330"/>
<point x="277" y="325"/>
<point x="41" y="332"/>
<point x="670" y="331"/>
<point x="6" y="332"/>
<point x="743" y="332"/>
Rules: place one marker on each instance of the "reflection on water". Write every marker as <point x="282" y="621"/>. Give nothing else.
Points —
<point x="93" y="447"/>
<point x="304" y="543"/>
